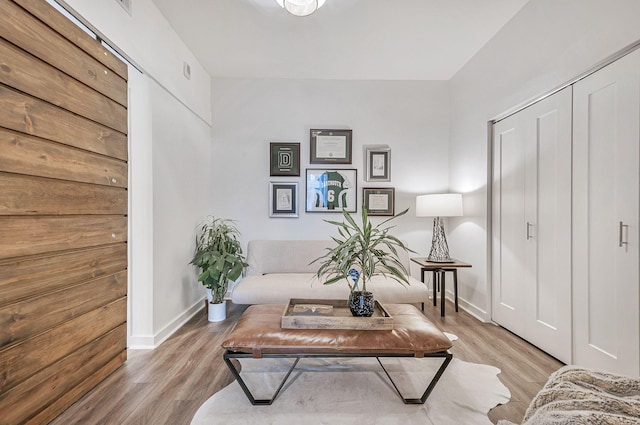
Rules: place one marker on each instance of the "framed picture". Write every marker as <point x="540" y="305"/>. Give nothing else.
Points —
<point x="283" y="199"/>
<point x="330" y="147"/>
<point x="284" y="159"/>
<point x="330" y="190"/>
<point x="379" y="200"/>
<point x="378" y="164"/>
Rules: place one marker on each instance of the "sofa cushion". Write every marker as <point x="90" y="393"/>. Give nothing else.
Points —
<point x="278" y="288"/>
<point x="281" y="269"/>
<point x="284" y="256"/>
<point x="292" y="256"/>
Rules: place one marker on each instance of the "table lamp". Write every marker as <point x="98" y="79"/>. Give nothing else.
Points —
<point x="438" y="206"/>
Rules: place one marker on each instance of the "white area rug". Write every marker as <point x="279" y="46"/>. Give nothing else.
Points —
<point x="356" y="391"/>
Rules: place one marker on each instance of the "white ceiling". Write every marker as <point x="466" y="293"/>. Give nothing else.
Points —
<point x="345" y="39"/>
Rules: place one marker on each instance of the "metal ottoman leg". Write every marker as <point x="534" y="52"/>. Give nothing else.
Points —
<point x="447" y="359"/>
<point x="228" y="355"/>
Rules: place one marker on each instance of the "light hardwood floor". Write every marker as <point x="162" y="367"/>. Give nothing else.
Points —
<point x="167" y="385"/>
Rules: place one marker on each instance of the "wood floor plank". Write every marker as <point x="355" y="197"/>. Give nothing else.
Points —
<point x="168" y="385"/>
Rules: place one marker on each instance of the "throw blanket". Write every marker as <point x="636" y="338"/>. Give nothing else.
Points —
<point x="575" y="396"/>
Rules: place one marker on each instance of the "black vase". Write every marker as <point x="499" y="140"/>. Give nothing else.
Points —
<point x="361" y="303"/>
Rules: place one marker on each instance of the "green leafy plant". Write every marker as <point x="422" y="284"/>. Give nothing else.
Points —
<point x="219" y="255"/>
<point x="369" y="249"/>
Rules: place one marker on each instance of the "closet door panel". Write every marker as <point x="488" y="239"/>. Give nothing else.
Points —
<point x="548" y="137"/>
<point x="605" y="218"/>
<point x="531" y="278"/>
<point x="509" y="209"/>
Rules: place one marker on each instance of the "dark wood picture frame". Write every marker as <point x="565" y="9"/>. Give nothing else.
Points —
<point x="284" y="159"/>
<point x="330" y="146"/>
<point x="331" y="190"/>
<point x="379" y="200"/>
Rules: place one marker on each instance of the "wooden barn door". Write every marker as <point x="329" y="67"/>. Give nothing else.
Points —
<point x="63" y="212"/>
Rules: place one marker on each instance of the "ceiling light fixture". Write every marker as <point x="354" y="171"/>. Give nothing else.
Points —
<point x="301" y="7"/>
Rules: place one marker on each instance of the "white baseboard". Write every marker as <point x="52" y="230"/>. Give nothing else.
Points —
<point x="147" y="342"/>
<point x="472" y="309"/>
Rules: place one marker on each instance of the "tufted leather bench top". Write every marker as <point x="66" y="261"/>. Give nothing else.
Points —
<point x="258" y="332"/>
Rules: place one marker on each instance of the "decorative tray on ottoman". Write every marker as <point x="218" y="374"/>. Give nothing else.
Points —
<point x="332" y="314"/>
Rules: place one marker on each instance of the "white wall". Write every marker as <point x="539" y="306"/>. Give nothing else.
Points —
<point x="181" y="199"/>
<point x="140" y="242"/>
<point x="170" y="178"/>
<point x="546" y="44"/>
<point x="411" y="117"/>
<point x="146" y="37"/>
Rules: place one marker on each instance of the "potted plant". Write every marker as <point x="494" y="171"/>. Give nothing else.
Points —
<point x="219" y="257"/>
<point x="362" y="251"/>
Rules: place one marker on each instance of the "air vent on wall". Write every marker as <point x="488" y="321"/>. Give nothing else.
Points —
<point x="126" y="5"/>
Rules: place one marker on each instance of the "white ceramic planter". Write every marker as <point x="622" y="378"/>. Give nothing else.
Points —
<point x="209" y="294"/>
<point x="217" y="312"/>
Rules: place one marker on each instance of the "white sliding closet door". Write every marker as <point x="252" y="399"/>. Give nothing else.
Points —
<point x="605" y="218"/>
<point x="531" y="282"/>
<point x="509" y="218"/>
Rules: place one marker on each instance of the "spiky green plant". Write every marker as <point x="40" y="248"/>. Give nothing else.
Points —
<point x="372" y="250"/>
<point x="219" y="255"/>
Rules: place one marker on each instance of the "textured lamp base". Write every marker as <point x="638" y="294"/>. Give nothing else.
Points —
<point x="439" y="248"/>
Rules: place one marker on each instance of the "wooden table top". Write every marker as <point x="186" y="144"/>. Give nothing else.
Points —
<point x="432" y="265"/>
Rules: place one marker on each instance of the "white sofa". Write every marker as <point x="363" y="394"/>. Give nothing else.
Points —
<point x="280" y="269"/>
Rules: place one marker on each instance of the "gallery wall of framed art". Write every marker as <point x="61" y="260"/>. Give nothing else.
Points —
<point x="330" y="180"/>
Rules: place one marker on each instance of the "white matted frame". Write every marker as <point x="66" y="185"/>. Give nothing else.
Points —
<point x="377" y="163"/>
<point x="283" y="199"/>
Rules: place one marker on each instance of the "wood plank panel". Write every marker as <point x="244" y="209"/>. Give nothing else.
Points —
<point x="21" y="236"/>
<point x="33" y="315"/>
<point x="52" y="382"/>
<point x="22" y="278"/>
<point x="22" y="360"/>
<point x="23" y="154"/>
<point x="63" y="216"/>
<point x="75" y="35"/>
<point x="28" y="74"/>
<point x="29" y="115"/>
<point x="30" y="34"/>
<point x="24" y="195"/>
<point x="61" y="404"/>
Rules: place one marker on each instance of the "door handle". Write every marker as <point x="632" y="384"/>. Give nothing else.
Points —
<point x="529" y="230"/>
<point x="621" y="233"/>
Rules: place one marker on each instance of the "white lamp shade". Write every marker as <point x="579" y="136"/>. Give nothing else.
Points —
<point x="301" y="7"/>
<point x="439" y="205"/>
